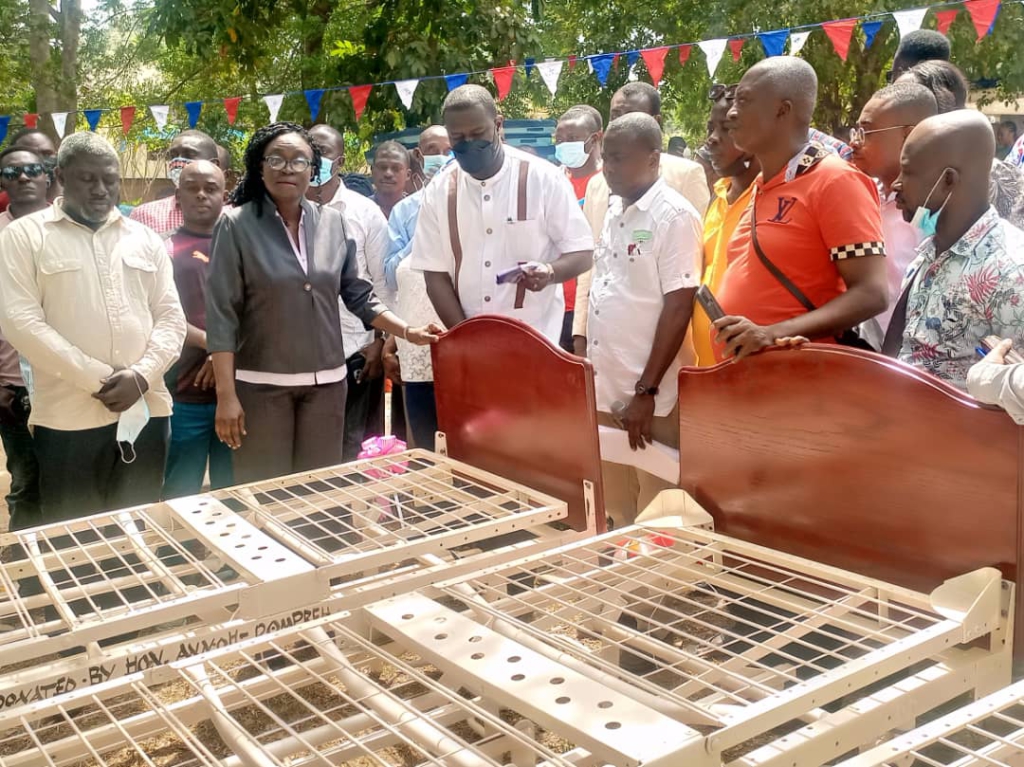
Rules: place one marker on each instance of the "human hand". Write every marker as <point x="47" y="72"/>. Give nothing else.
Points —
<point x="206" y="378"/>
<point x="373" y="368"/>
<point x="579" y="346"/>
<point x="741" y="337"/>
<point x="392" y="365"/>
<point x="421" y="336"/>
<point x="791" y="342"/>
<point x="230" y="421"/>
<point x="998" y="355"/>
<point x="537" y="276"/>
<point x="121" y="390"/>
<point x="637" y="419"/>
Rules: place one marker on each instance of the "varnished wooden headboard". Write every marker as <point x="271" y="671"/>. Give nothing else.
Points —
<point x="855" y="460"/>
<point x="513" y="404"/>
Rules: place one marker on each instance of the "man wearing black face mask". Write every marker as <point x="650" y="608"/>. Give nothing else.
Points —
<point x="497" y="210"/>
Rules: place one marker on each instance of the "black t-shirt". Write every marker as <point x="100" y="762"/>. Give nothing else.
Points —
<point x="190" y="257"/>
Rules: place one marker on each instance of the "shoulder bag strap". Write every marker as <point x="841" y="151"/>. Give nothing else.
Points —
<point x="524" y="173"/>
<point x="772" y="268"/>
<point x="453" y="225"/>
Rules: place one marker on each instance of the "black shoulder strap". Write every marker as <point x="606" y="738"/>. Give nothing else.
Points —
<point x="772" y="268"/>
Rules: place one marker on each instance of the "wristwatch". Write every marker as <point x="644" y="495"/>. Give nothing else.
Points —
<point x="642" y="389"/>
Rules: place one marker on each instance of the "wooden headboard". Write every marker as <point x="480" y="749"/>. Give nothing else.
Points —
<point x="855" y="460"/>
<point x="511" y="403"/>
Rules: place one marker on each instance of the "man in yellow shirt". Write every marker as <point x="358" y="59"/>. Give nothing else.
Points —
<point x="732" y="196"/>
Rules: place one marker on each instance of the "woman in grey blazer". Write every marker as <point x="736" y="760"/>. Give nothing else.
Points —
<point x="278" y="265"/>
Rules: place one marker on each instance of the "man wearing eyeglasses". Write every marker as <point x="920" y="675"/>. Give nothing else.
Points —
<point x="877" y="139"/>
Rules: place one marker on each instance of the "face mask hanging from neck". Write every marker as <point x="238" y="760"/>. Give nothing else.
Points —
<point x="925" y="221"/>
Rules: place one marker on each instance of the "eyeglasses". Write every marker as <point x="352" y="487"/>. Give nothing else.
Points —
<point x="719" y="91"/>
<point x="13" y="172"/>
<point x="858" y="135"/>
<point x="298" y="165"/>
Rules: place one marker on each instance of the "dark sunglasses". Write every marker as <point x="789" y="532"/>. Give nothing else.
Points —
<point x="13" y="172"/>
<point x="719" y="91"/>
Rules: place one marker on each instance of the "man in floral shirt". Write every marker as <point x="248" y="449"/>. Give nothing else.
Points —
<point x="968" y="279"/>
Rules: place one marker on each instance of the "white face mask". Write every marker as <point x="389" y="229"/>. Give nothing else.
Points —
<point x="175" y="167"/>
<point x="130" y="425"/>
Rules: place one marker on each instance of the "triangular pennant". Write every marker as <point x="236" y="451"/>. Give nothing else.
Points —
<point x="231" y="107"/>
<point x="31" y="119"/>
<point x="684" y="53"/>
<point x="456" y="81"/>
<point x="615" y="61"/>
<point x="654" y="60"/>
<point x="983" y="14"/>
<point x="602" y="66"/>
<point x="797" y="40"/>
<point x="92" y="116"/>
<point x="359" y="94"/>
<point x="549" y="72"/>
<point x="60" y="120"/>
<point x="127" y="118"/>
<point x="503" y="80"/>
<point x="839" y="32"/>
<point x="944" y="19"/>
<point x="313" y="98"/>
<point x="572" y="63"/>
<point x="992" y="26"/>
<point x="736" y="47"/>
<point x="273" y="105"/>
<point x="774" y="43"/>
<point x="529" y="62"/>
<point x="5" y="122"/>
<point x="713" y="50"/>
<point x="632" y="58"/>
<point x="870" y="29"/>
<point x="909" y="21"/>
<point x="193" y="108"/>
<point x="160" y="114"/>
<point x="406" y="89"/>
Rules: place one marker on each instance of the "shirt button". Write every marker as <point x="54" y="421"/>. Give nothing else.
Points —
<point x="622" y="225"/>
<point x="615" y="255"/>
<point x="487" y="299"/>
<point x="596" y="343"/>
<point x="487" y="263"/>
<point x="597" y="312"/>
<point x="487" y="198"/>
<point x="307" y="287"/>
<point x="490" y="231"/>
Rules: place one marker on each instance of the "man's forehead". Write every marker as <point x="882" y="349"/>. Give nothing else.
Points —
<point x="21" y="157"/>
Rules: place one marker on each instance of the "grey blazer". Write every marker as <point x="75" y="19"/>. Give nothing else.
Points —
<point x="261" y="306"/>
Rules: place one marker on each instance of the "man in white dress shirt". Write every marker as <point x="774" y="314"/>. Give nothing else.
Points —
<point x="494" y="209"/>
<point x="646" y="271"/>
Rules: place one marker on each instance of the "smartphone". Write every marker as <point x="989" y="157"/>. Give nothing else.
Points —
<point x="509" y="275"/>
<point x="707" y="300"/>
<point x="988" y="343"/>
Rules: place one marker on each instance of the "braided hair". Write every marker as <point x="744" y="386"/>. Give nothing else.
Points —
<point x="250" y="186"/>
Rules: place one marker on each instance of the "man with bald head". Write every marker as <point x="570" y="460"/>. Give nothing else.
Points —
<point x="877" y="139"/>
<point x="968" y="279"/>
<point x="646" y="270"/>
<point x="194" y="443"/>
<point x="808" y="259"/>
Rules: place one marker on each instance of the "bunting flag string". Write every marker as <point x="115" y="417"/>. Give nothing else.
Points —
<point x="870" y="29"/>
<point x="456" y="81"/>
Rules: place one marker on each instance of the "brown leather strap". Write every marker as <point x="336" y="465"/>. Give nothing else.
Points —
<point x="771" y="267"/>
<point x="524" y="173"/>
<point x="893" y="341"/>
<point x="453" y="224"/>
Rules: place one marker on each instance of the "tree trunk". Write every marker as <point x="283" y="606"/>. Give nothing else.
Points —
<point x="70" y="30"/>
<point x="40" y="34"/>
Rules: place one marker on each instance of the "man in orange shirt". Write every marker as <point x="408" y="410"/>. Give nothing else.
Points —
<point x="737" y="170"/>
<point x="808" y="259"/>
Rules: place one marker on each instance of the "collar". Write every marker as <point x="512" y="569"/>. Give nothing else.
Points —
<point x="809" y="156"/>
<point x="966" y="245"/>
<point x="59" y="214"/>
<point x="645" y="202"/>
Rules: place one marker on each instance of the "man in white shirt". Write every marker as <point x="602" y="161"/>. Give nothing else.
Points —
<point x="996" y="381"/>
<point x="369" y="230"/>
<point x="646" y="271"/>
<point x="492" y="210"/>
<point x="88" y="298"/>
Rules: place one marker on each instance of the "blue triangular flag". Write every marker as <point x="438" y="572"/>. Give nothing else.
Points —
<point x="632" y="57"/>
<point x="870" y="31"/>
<point x="774" y="43"/>
<point x="5" y="121"/>
<point x="456" y="81"/>
<point x="313" y="98"/>
<point x="92" y="116"/>
<point x="193" y="108"/>
<point x="529" y="65"/>
<point x="602" y="66"/>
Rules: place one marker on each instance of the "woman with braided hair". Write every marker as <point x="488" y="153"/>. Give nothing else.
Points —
<point x="278" y="265"/>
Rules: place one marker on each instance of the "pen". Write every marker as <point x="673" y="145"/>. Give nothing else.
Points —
<point x="980" y="350"/>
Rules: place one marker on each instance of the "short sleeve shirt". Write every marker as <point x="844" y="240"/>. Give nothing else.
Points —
<point x="190" y="258"/>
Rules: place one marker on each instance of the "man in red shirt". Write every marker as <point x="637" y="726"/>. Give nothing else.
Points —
<point x="808" y="257"/>
<point x="578" y="138"/>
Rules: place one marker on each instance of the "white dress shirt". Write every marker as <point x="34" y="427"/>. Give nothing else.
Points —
<point x="78" y="303"/>
<point x="493" y="240"/>
<point x="1001" y="385"/>
<point x="651" y="248"/>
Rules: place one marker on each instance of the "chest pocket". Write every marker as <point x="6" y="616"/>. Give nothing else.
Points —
<point x="57" y="263"/>
<point x="138" y="263"/>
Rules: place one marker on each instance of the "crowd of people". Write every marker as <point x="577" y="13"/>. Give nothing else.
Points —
<point x="244" y="331"/>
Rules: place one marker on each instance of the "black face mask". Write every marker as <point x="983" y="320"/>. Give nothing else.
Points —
<point x="476" y="155"/>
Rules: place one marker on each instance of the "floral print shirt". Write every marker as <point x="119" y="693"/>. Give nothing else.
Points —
<point x="956" y="298"/>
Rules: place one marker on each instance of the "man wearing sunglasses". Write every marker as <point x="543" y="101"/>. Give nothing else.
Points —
<point x="24" y="179"/>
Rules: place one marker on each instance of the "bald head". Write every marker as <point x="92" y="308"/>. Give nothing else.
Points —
<point x="434" y="140"/>
<point x="908" y="102"/>
<point x="773" y="105"/>
<point x="788" y="78"/>
<point x="329" y="140"/>
<point x="638" y="128"/>
<point x="884" y="124"/>
<point x="200" y="195"/>
<point x="632" y="155"/>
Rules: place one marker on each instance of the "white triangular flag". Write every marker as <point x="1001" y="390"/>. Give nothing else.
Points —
<point x="60" y="121"/>
<point x="713" y="50"/>
<point x="549" y="72"/>
<point x="160" y="115"/>
<point x="797" y="40"/>
<point x="406" y="89"/>
<point x="909" y="21"/>
<point x="274" y="105"/>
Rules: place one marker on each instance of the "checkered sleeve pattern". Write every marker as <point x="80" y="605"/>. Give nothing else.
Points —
<point x="857" y="250"/>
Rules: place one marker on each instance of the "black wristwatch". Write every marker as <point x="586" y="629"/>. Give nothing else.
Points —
<point x="642" y="389"/>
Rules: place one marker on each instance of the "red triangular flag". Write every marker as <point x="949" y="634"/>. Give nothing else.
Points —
<point x="503" y="80"/>
<point x="654" y="60"/>
<point x="983" y="13"/>
<point x="684" y="53"/>
<point x="359" y="94"/>
<point x="572" y="63"/>
<point x="736" y="46"/>
<point x="31" y="119"/>
<point x="231" y="107"/>
<point x="615" y="61"/>
<point x="943" y="20"/>
<point x="127" y="117"/>
<point x="839" y="32"/>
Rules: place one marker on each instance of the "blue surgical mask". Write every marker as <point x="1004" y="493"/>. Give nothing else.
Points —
<point x="432" y="163"/>
<point x="925" y="221"/>
<point x="572" y="154"/>
<point x="325" y="174"/>
<point x="130" y="425"/>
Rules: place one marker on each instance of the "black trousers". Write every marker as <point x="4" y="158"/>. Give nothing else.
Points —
<point x="82" y="473"/>
<point x="23" y="499"/>
<point x="357" y="407"/>
<point x="289" y="429"/>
